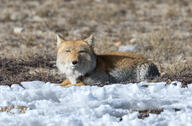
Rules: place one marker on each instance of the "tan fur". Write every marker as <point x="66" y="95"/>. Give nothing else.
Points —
<point x="77" y="60"/>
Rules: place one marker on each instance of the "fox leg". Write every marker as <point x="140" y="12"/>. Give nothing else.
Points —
<point x="78" y="84"/>
<point x="65" y="82"/>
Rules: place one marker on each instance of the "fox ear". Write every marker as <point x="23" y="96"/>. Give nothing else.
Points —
<point x="59" y="39"/>
<point x="89" y="40"/>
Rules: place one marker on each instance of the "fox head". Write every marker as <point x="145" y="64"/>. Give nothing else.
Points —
<point x="75" y="58"/>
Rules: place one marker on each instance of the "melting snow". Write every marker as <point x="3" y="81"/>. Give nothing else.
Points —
<point x="113" y="105"/>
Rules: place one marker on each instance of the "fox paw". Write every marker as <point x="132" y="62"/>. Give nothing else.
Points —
<point x="64" y="83"/>
<point x="78" y="84"/>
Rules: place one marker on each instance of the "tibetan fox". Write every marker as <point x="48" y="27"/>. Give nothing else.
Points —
<point x="81" y="66"/>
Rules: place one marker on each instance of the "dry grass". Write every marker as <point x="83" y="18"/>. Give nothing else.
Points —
<point x="161" y="29"/>
<point x="172" y="56"/>
<point x="11" y="107"/>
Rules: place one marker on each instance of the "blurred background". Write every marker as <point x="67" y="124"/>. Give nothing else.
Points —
<point x="161" y="30"/>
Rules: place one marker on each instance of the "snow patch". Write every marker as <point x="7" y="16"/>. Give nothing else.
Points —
<point x="51" y="105"/>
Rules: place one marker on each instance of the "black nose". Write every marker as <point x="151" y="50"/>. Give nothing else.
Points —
<point x="74" y="62"/>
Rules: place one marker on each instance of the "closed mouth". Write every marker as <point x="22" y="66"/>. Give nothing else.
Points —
<point x="73" y="67"/>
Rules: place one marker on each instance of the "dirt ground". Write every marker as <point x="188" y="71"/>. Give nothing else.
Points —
<point x="161" y="29"/>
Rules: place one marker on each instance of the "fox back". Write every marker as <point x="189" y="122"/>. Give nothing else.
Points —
<point x="77" y="60"/>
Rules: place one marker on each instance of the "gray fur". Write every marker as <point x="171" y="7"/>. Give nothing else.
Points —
<point x="146" y="71"/>
<point x="140" y="73"/>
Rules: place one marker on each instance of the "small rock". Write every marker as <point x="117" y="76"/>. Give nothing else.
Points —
<point x="126" y="48"/>
<point x="117" y="44"/>
<point x="133" y="40"/>
<point x="17" y="30"/>
<point x="37" y="19"/>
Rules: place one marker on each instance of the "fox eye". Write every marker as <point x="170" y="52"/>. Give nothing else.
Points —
<point x="82" y="51"/>
<point x="67" y="50"/>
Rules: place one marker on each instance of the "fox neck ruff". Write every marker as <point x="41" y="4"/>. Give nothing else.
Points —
<point x="73" y="74"/>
